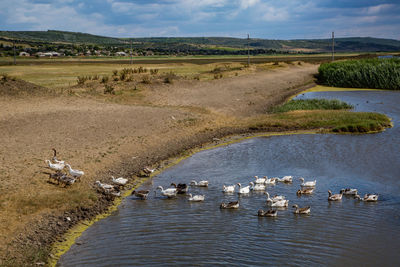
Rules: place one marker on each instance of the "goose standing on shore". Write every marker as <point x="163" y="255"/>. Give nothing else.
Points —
<point x="74" y="173"/>
<point x="104" y="187"/>
<point x="335" y="197"/>
<point x="119" y="181"/>
<point x="54" y="159"/>
<point x="55" y="166"/>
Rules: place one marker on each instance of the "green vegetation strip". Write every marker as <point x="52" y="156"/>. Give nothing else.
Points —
<point x="312" y="104"/>
<point x="364" y="73"/>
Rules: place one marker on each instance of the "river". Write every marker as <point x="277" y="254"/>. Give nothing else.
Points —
<point x="172" y="232"/>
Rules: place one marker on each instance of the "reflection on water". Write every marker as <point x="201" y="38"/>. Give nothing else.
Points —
<point x="160" y="231"/>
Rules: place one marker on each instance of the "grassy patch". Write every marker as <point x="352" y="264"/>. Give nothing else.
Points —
<point x="364" y="73"/>
<point x="339" y="121"/>
<point x="312" y="104"/>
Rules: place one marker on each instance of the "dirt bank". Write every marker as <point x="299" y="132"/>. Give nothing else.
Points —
<point x="104" y="138"/>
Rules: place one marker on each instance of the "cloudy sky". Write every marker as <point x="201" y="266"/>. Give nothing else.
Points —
<point x="269" y="19"/>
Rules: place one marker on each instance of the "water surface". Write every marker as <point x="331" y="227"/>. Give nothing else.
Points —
<point x="161" y="232"/>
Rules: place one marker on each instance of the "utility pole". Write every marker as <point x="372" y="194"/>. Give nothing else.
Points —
<point x="131" y="54"/>
<point x="333" y="46"/>
<point x="15" y="59"/>
<point x="248" y="50"/>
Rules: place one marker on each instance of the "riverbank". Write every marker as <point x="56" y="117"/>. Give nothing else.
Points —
<point x="104" y="138"/>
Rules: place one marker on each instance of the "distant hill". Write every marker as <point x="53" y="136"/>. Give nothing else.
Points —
<point x="208" y="44"/>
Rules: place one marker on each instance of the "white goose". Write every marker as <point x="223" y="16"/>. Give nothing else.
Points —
<point x="367" y="197"/>
<point x="243" y="190"/>
<point x="55" y="166"/>
<point x="270" y="181"/>
<point x="308" y="183"/>
<point x="286" y="179"/>
<point x="168" y="192"/>
<point x="74" y="173"/>
<point x="280" y="203"/>
<point x="54" y="159"/>
<point x="119" y="181"/>
<point x="275" y="198"/>
<point x="105" y="187"/>
<point x="257" y="187"/>
<point x="260" y="180"/>
<point x="196" y="198"/>
<point x="228" y="189"/>
<point x="202" y="183"/>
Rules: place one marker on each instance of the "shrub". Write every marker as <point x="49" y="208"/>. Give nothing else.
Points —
<point x="104" y="79"/>
<point x="146" y="79"/>
<point x="4" y="77"/>
<point x="153" y="71"/>
<point x="82" y="79"/>
<point x="218" y="76"/>
<point x="364" y="73"/>
<point x="109" y="89"/>
<point x="95" y="77"/>
<point x="115" y="72"/>
<point x="169" y="77"/>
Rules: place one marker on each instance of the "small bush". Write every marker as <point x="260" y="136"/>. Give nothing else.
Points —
<point x="104" y="79"/>
<point x="146" y="79"/>
<point x="276" y="63"/>
<point x="95" y="77"/>
<point x="170" y="77"/>
<point x="109" y="89"/>
<point x="115" y="72"/>
<point x="82" y="79"/>
<point x="4" y="77"/>
<point x="153" y="71"/>
<point x="218" y="76"/>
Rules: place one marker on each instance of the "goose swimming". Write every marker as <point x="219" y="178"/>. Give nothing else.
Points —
<point x="298" y="210"/>
<point x="202" y="183"/>
<point x="349" y="191"/>
<point x="230" y="205"/>
<point x="308" y="183"/>
<point x="335" y="197"/>
<point x="243" y="190"/>
<point x="257" y="187"/>
<point x="367" y="197"/>
<point x="228" y="188"/>
<point x="142" y="194"/>
<point x="267" y="213"/>
<point x="168" y="192"/>
<point x="196" y="198"/>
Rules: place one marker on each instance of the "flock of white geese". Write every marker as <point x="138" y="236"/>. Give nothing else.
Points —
<point x="275" y="202"/>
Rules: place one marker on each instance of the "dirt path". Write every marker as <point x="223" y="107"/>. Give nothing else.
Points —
<point x="102" y="137"/>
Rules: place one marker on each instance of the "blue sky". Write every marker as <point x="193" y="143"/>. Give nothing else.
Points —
<point x="268" y="19"/>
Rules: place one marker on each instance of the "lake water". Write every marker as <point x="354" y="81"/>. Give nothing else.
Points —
<point x="175" y="232"/>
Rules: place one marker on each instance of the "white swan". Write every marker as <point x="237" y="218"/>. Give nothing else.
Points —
<point x="55" y="166"/>
<point x="196" y="198"/>
<point x="298" y="210"/>
<point x="275" y="198"/>
<point x="168" y="192"/>
<point x="119" y="181"/>
<point x="260" y="180"/>
<point x="243" y="190"/>
<point x="74" y="173"/>
<point x="335" y="197"/>
<point x="257" y="187"/>
<point x="308" y="183"/>
<point x="367" y="197"/>
<point x="228" y="189"/>
<point x="202" y="183"/>
<point x="286" y="179"/>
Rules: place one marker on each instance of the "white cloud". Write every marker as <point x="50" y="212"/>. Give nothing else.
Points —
<point x="244" y="4"/>
<point x="378" y="9"/>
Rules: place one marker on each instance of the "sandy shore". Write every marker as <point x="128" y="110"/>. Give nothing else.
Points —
<point x="104" y="138"/>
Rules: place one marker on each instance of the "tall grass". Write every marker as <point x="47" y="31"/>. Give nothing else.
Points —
<point x="364" y="73"/>
<point x="312" y="104"/>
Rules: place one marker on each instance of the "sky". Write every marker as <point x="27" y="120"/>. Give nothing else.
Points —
<point x="266" y="19"/>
